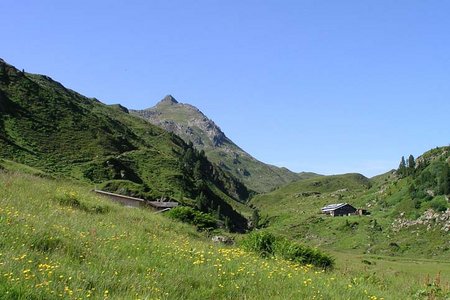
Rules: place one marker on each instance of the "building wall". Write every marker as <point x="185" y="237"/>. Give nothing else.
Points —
<point x="345" y="210"/>
<point x="125" y="201"/>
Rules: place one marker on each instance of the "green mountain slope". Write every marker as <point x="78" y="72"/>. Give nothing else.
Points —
<point x="90" y="248"/>
<point x="409" y="215"/>
<point x="193" y="126"/>
<point x="49" y="127"/>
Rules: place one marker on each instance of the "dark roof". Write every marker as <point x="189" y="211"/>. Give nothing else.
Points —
<point x="118" y="195"/>
<point x="159" y="204"/>
<point x="332" y="207"/>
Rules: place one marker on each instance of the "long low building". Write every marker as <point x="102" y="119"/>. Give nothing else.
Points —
<point x="138" y="202"/>
<point x="339" y="209"/>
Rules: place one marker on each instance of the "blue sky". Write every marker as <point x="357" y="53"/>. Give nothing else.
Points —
<point x="324" y="86"/>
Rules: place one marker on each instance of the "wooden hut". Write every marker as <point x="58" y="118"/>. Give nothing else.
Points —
<point x="339" y="209"/>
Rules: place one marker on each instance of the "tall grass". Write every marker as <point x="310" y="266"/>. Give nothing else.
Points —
<point x="52" y="249"/>
<point x="267" y="245"/>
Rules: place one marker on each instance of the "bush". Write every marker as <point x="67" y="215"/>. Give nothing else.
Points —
<point x="72" y="199"/>
<point x="189" y="215"/>
<point x="69" y="199"/>
<point x="438" y="204"/>
<point x="259" y="242"/>
<point x="267" y="244"/>
<point x="302" y="254"/>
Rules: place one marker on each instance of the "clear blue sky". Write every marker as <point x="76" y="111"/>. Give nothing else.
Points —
<point x="323" y="86"/>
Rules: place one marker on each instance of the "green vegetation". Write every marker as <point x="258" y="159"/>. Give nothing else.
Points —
<point x="294" y="212"/>
<point x="52" y="249"/>
<point x="45" y="126"/>
<point x="267" y="245"/>
<point x="59" y="240"/>
<point x="428" y="182"/>
<point x="193" y="126"/>
<point x="189" y="215"/>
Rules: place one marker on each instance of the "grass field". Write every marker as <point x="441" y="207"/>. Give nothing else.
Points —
<point x="58" y="240"/>
<point x="294" y="211"/>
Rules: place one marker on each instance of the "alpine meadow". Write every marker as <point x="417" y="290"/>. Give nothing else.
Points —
<point x="60" y="240"/>
<point x="208" y="150"/>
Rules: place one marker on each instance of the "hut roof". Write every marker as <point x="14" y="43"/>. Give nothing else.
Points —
<point x="160" y="204"/>
<point x="332" y="207"/>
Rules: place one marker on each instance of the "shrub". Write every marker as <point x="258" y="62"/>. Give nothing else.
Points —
<point x="68" y="199"/>
<point x="260" y="242"/>
<point x="99" y="209"/>
<point x="438" y="204"/>
<point x="267" y="244"/>
<point x="72" y="199"/>
<point x="189" y="215"/>
<point x="302" y="254"/>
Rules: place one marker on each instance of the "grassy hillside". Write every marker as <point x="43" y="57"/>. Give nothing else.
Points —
<point x="58" y="240"/>
<point x="193" y="126"/>
<point x="398" y="224"/>
<point x="46" y="126"/>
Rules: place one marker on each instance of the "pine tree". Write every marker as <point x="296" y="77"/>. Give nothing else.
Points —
<point x="218" y="210"/>
<point x="445" y="180"/>
<point x="201" y="202"/>
<point x="227" y="223"/>
<point x="197" y="172"/>
<point x="411" y="164"/>
<point x="402" y="167"/>
<point x="255" y="218"/>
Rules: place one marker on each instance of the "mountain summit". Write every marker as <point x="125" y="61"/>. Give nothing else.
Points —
<point x="168" y="100"/>
<point x="192" y="125"/>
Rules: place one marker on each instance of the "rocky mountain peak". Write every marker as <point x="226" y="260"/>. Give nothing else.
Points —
<point x="168" y="100"/>
<point x="188" y="122"/>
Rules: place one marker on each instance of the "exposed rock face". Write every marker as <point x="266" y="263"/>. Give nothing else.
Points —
<point x="192" y="125"/>
<point x="163" y="115"/>
<point x="168" y="100"/>
<point x="430" y="219"/>
<point x="221" y="239"/>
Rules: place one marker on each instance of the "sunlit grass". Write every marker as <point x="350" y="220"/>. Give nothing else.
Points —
<point x="53" y="249"/>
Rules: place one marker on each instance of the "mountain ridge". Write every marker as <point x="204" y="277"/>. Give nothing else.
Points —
<point x="191" y="124"/>
<point x="52" y="128"/>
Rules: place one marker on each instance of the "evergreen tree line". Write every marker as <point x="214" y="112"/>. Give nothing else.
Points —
<point x="406" y="167"/>
<point x="427" y="180"/>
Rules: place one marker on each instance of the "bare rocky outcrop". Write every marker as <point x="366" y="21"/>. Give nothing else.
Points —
<point x="190" y="128"/>
<point x="430" y="219"/>
<point x="222" y="239"/>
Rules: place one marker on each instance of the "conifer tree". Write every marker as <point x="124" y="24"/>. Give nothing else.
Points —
<point x="197" y="171"/>
<point x="411" y="165"/>
<point x="218" y="210"/>
<point x="255" y="218"/>
<point x="445" y="180"/>
<point x="402" y="167"/>
<point x="227" y="223"/>
<point x="201" y="202"/>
